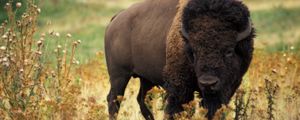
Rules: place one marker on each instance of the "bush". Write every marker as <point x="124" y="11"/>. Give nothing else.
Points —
<point x="35" y="81"/>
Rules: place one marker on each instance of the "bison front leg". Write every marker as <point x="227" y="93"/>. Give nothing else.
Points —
<point x="175" y="101"/>
<point x="180" y="84"/>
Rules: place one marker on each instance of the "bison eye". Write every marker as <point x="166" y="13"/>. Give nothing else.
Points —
<point x="229" y="52"/>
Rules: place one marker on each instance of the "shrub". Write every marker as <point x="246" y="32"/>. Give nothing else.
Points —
<point x="35" y="81"/>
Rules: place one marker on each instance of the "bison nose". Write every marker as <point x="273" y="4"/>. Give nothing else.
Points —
<point x="207" y="81"/>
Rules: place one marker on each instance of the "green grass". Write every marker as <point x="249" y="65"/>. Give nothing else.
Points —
<point x="3" y="15"/>
<point x="93" y="40"/>
<point x="284" y="47"/>
<point x="85" y="21"/>
<point x="276" y="20"/>
<point x="279" y="22"/>
<point x="277" y="28"/>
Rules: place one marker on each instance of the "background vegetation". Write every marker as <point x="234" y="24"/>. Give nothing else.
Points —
<point x="61" y="89"/>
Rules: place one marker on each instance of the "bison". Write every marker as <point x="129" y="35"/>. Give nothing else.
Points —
<point x="183" y="46"/>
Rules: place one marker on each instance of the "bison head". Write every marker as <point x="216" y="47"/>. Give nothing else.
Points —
<point x="219" y="43"/>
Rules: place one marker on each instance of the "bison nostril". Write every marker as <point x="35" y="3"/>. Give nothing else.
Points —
<point x="207" y="81"/>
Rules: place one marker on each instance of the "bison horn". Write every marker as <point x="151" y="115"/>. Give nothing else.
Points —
<point x="184" y="33"/>
<point x="245" y="33"/>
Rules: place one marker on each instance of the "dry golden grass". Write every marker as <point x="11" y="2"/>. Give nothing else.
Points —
<point x="267" y="4"/>
<point x="271" y="89"/>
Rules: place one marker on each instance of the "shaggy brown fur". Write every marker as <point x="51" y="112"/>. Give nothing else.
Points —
<point x="178" y="73"/>
<point x="212" y="27"/>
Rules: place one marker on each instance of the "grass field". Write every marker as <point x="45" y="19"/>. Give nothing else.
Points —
<point x="270" y="89"/>
<point x="276" y="22"/>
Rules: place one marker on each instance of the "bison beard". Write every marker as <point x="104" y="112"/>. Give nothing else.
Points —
<point x="212" y="102"/>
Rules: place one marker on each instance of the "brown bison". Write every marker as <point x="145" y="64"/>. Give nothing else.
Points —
<point x="183" y="46"/>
